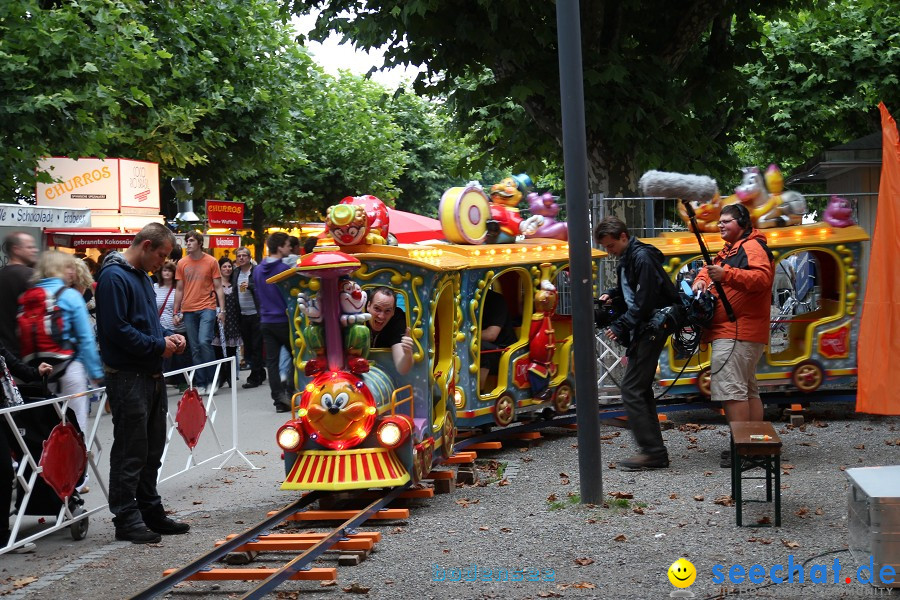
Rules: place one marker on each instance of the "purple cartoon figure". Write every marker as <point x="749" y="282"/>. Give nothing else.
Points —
<point x="546" y="206"/>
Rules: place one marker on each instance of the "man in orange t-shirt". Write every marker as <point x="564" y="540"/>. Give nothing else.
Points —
<point x="199" y="304"/>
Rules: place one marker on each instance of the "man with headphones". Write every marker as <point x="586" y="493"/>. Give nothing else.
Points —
<point x="745" y="268"/>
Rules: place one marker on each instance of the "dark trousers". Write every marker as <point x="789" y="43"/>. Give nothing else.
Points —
<point x="138" y="404"/>
<point x="637" y="395"/>
<point x="253" y="347"/>
<point x="275" y="337"/>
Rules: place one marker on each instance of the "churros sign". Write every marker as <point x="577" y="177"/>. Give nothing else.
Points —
<point x="114" y="184"/>
<point x="221" y="213"/>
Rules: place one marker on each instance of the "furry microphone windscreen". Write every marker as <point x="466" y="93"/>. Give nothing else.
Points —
<point x="693" y="188"/>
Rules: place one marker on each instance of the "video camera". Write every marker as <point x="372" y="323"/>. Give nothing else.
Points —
<point x="692" y="310"/>
<point x="606" y="314"/>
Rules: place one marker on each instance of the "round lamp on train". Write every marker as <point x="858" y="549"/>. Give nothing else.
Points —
<point x="393" y="431"/>
<point x="290" y="436"/>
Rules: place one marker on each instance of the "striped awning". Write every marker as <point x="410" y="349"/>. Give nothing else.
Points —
<point x="348" y="470"/>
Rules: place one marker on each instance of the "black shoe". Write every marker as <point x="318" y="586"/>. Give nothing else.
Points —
<point x="281" y="407"/>
<point x="641" y="462"/>
<point x="251" y="384"/>
<point x="138" y="535"/>
<point x="167" y="526"/>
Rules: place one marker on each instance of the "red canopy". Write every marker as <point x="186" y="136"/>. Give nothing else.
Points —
<point x="410" y="227"/>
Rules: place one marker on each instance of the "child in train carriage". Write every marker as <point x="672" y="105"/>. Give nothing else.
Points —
<point x="10" y="396"/>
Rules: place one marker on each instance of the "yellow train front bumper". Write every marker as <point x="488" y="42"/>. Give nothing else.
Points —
<point x="347" y="470"/>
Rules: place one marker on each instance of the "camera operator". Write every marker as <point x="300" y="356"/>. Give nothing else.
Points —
<point x="745" y="268"/>
<point x="644" y="288"/>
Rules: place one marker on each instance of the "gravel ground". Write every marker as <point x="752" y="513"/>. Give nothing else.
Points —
<point x="530" y="520"/>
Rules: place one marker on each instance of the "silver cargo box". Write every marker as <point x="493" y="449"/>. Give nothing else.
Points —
<point x="874" y="519"/>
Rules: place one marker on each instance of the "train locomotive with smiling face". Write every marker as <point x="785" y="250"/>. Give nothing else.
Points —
<point x="357" y="422"/>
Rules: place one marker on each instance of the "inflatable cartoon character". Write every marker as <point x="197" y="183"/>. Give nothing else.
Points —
<point x="543" y="340"/>
<point x="353" y="318"/>
<point x="505" y="222"/>
<point x="340" y="411"/>
<point x="752" y="194"/>
<point x="789" y="206"/>
<point x="314" y="333"/>
<point x="839" y="212"/>
<point x="706" y="214"/>
<point x="358" y="220"/>
<point x="546" y="206"/>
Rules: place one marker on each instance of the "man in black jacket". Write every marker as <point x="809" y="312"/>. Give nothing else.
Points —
<point x="132" y="346"/>
<point x="642" y="289"/>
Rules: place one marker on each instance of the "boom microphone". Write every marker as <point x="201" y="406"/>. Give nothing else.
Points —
<point x="693" y="188"/>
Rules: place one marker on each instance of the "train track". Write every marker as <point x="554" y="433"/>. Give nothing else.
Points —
<point x="255" y="538"/>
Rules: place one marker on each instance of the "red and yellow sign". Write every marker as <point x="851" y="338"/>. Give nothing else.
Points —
<point x="835" y="343"/>
<point x="221" y="213"/>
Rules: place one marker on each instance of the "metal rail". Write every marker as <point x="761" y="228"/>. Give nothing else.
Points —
<point x="199" y="564"/>
<point x="303" y="560"/>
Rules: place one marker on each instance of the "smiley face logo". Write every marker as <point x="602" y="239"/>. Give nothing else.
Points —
<point x="682" y="573"/>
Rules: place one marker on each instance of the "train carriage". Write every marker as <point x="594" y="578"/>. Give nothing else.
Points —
<point x="386" y="429"/>
<point x="815" y="309"/>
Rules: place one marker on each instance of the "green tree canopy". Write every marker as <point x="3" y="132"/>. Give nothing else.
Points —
<point x="820" y="79"/>
<point x="663" y="86"/>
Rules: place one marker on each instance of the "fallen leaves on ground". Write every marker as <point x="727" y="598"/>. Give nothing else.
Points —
<point x="581" y="585"/>
<point x="860" y="447"/>
<point x="789" y="544"/>
<point x="611" y="465"/>
<point x="764" y="521"/>
<point x="621" y="495"/>
<point x="503" y="482"/>
<point x="765" y="541"/>
<point x="551" y="498"/>
<point x="638" y="510"/>
<point x="549" y="595"/>
<point x="724" y="501"/>
<point x="355" y="588"/>
<point x="465" y="502"/>
<point x="801" y="512"/>
<point x="673" y="496"/>
<point x="892" y="442"/>
<point x="620" y="538"/>
<point x="483" y="528"/>
<point x="819" y="511"/>
<point x="583" y="562"/>
<point x="527" y="459"/>
<point x="699" y="498"/>
<point x="564" y="481"/>
<point x="506" y="530"/>
<point x="329" y="583"/>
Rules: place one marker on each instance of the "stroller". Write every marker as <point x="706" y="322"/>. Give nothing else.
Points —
<point x="35" y="426"/>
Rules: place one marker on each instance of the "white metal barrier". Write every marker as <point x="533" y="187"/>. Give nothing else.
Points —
<point x="209" y="448"/>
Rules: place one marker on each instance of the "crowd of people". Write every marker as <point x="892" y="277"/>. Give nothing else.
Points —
<point x="123" y="323"/>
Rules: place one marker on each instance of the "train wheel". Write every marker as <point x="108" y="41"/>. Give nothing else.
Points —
<point x="504" y="410"/>
<point x="449" y="435"/>
<point x="562" y="398"/>
<point x="808" y="376"/>
<point x="703" y="382"/>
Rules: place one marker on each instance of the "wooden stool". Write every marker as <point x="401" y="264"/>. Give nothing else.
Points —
<point x="755" y="444"/>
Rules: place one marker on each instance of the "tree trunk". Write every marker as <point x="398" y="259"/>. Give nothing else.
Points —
<point x="258" y="224"/>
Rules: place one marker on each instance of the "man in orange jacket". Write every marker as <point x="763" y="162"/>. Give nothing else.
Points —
<point x="745" y="268"/>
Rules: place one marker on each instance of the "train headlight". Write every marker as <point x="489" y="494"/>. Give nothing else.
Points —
<point x="393" y="431"/>
<point x="458" y="399"/>
<point x="290" y="436"/>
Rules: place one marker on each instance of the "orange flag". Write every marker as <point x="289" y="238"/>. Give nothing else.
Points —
<point x="878" y="351"/>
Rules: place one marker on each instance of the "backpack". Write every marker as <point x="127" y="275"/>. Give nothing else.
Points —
<point x="40" y="324"/>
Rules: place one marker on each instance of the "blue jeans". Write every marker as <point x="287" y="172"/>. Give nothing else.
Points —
<point x="201" y="329"/>
<point x="138" y="403"/>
